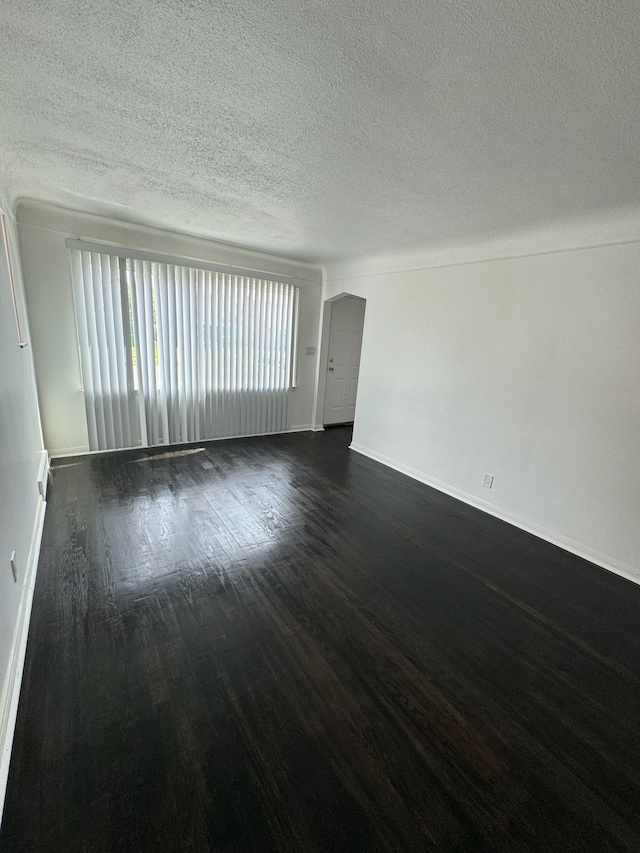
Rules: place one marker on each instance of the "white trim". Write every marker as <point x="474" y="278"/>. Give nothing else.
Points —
<point x="344" y="294"/>
<point x="440" y="264"/>
<point x="66" y="453"/>
<point x="65" y="222"/>
<point x="43" y="475"/>
<point x="22" y="341"/>
<point x="176" y="260"/>
<point x="323" y="359"/>
<point x="615" y="228"/>
<point x="13" y="680"/>
<point x="63" y="452"/>
<point x="604" y="561"/>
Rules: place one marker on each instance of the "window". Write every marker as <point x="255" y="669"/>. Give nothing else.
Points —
<point x="174" y="353"/>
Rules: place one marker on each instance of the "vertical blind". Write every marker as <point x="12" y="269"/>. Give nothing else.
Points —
<point x="175" y="354"/>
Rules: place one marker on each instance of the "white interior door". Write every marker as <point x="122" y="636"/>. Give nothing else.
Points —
<point x="343" y="366"/>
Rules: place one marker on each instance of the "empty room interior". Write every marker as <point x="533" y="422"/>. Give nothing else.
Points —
<point x="319" y="426"/>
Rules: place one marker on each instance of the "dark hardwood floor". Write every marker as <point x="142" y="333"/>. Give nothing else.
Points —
<point x="275" y="644"/>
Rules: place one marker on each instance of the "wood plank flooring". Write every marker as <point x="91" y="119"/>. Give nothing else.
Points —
<point x="275" y="644"/>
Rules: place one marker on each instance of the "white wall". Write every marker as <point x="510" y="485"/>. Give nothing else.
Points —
<point x="47" y="273"/>
<point x="526" y="368"/>
<point x="20" y="502"/>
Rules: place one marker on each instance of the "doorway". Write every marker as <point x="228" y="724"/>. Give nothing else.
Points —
<point x="342" y="365"/>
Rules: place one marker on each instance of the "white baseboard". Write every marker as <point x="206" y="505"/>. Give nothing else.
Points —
<point x="13" y="680"/>
<point x="43" y="475"/>
<point x="65" y="453"/>
<point x="564" y="542"/>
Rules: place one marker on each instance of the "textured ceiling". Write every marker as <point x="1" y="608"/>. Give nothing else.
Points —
<point x="323" y="128"/>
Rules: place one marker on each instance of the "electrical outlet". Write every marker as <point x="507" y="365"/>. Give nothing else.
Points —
<point x="311" y="350"/>
<point x="487" y="481"/>
<point x="14" y="567"/>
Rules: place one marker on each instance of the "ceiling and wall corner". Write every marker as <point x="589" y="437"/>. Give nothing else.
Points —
<point x="323" y="131"/>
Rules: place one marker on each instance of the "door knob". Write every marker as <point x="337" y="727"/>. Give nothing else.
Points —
<point x="331" y="368"/>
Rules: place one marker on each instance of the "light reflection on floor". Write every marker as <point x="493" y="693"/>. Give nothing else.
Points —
<point x="237" y="522"/>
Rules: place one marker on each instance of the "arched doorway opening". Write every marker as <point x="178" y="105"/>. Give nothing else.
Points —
<point x="343" y="324"/>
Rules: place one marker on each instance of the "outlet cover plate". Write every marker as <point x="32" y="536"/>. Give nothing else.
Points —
<point x="487" y="481"/>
